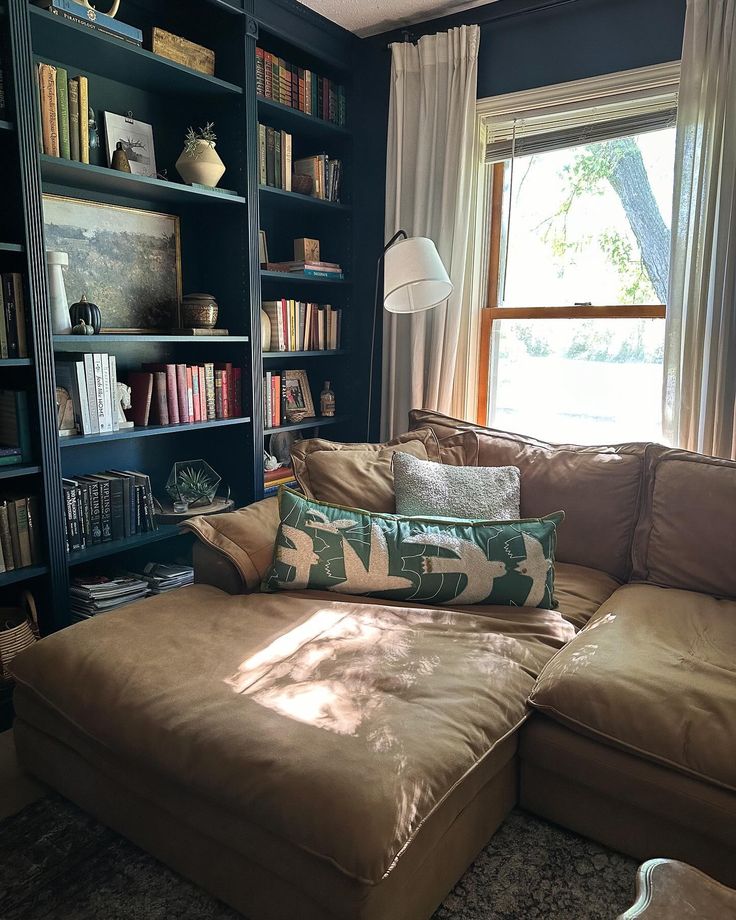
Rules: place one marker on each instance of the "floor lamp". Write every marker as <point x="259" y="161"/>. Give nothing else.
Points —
<point x="414" y="280"/>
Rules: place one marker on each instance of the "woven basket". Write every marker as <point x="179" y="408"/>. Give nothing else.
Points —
<point x="14" y="639"/>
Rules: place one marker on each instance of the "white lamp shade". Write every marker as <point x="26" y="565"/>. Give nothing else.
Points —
<point x="414" y="278"/>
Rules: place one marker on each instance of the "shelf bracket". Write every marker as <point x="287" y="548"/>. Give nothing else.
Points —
<point x="251" y="27"/>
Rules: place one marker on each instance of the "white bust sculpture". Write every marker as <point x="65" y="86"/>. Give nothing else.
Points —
<point x="123" y="403"/>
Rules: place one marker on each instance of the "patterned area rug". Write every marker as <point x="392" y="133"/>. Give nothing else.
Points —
<point x="56" y="863"/>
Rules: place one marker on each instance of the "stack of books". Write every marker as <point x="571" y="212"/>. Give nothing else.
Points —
<point x="298" y="326"/>
<point x="20" y="523"/>
<point x="274" y="479"/>
<point x="182" y="394"/>
<point x="95" y="594"/>
<point x="325" y="173"/>
<point x="299" y="88"/>
<point x="64" y="107"/>
<point x="92" y="384"/>
<point x="13" y="334"/>
<point x="15" y="444"/>
<point x="328" y="270"/>
<point x="161" y="578"/>
<point x="103" y="507"/>
<point x="274" y="158"/>
<point x="98" y="22"/>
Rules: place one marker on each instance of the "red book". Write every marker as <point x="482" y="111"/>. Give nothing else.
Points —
<point x="181" y="392"/>
<point x="141" y="389"/>
<point x="228" y="394"/>
<point x="172" y="399"/>
<point x="276" y="399"/>
<point x="202" y="394"/>
<point x="196" y="405"/>
<point x="237" y="406"/>
<point x="218" y="394"/>
<point x="159" y="406"/>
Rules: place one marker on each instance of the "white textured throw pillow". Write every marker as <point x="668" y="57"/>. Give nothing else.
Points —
<point x="480" y="493"/>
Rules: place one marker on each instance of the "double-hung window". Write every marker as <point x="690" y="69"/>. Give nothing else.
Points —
<point x="579" y="185"/>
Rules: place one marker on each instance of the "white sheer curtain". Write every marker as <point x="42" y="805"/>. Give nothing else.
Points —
<point x="430" y="181"/>
<point x="700" y="347"/>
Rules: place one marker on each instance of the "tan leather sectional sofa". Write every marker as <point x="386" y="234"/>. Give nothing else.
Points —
<point x="323" y="756"/>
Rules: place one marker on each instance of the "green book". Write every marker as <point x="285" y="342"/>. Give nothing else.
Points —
<point x="74" y="119"/>
<point x="62" y="103"/>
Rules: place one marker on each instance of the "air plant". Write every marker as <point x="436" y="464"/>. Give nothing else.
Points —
<point x="192" y="482"/>
<point x="192" y="138"/>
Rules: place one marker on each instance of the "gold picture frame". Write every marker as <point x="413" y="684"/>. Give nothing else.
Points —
<point x="126" y="260"/>
<point x="298" y="393"/>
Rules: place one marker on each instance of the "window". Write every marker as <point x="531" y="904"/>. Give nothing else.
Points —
<point x="578" y="218"/>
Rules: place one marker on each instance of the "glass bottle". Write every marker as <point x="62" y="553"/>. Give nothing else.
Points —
<point x="327" y="400"/>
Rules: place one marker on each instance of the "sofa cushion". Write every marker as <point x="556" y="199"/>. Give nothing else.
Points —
<point x="339" y="728"/>
<point x="654" y="672"/>
<point x="425" y="488"/>
<point x="430" y="560"/>
<point x="687" y="532"/>
<point x="580" y="591"/>
<point x="357" y="474"/>
<point x="598" y="488"/>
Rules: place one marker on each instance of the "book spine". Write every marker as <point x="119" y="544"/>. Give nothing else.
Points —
<point x="270" y="152"/>
<point x="260" y="77"/>
<point x="286" y="149"/>
<point x="86" y="513"/>
<point x="172" y="397"/>
<point x="113" y="392"/>
<point x="105" y="511"/>
<point x="190" y="395"/>
<point x="193" y="374"/>
<point x="89" y="376"/>
<point x="34" y="528"/>
<point x="24" y="539"/>
<point x="237" y="407"/>
<point x="5" y="537"/>
<point x="62" y="108"/>
<point x="3" y="327"/>
<point x="276" y="399"/>
<point x="181" y="392"/>
<point x="83" y="119"/>
<point x="209" y="370"/>
<point x="74" y="118"/>
<point x="218" y="395"/>
<point x="49" y="109"/>
<point x="162" y="408"/>
<point x="102" y="387"/>
<point x="268" y="74"/>
<point x="95" y="513"/>
<point x="277" y="159"/>
<point x="268" y="399"/>
<point x="117" y="509"/>
<point x="10" y="317"/>
<point x="262" y="172"/>
<point x="21" y="325"/>
<point x="202" y="394"/>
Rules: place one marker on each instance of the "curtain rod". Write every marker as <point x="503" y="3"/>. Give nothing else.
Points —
<point x="488" y="17"/>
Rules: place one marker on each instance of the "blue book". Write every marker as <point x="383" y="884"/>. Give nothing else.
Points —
<point x="100" y="21"/>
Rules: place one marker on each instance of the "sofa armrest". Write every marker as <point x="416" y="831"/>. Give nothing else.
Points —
<point x="235" y="550"/>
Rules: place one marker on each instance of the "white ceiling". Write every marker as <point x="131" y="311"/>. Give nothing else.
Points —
<point x="369" y="17"/>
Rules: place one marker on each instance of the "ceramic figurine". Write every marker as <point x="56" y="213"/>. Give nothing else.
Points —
<point x="84" y="311"/>
<point x="81" y="328"/>
<point x="94" y="134"/>
<point x="327" y="401"/>
<point x="120" y="159"/>
<point x="122" y="404"/>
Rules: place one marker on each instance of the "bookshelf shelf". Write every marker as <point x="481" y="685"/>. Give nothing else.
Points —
<point x="11" y="247"/>
<point x="308" y="126"/>
<point x="87" y="178"/>
<point x="282" y="199"/>
<point x="292" y="277"/>
<point x="101" y="550"/>
<point x="15" y="362"/>
<point x="21" y="469"/>
<point x="119" y="60"/>
<point x="298" y="355"/>
<point x="315" y="422"/>
<point x="150" y="431"/>
<point x="23" y="574"/>
<point x="77" y="342"/>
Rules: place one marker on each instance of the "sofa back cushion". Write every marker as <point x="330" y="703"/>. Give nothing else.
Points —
<point x="599" y="488"/>
<point x="687" y="532"/>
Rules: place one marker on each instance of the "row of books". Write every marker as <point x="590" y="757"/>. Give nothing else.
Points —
<point x="93" y="594"/>
<point x="299" y="326"/>
<point x="15" y="438"/>
<point x="20" y="543"/>
<point x="299" y="88"/>
<point x="276" y="167"/>
<point x="92" y="384"/>
<point x="181" y="394"/>
<point x="312" y="269"/>
<point x="274" y="479"/>
<point x="13" y="316"/>
<point x="104" y="507"/>
<point x="64" y="108"/>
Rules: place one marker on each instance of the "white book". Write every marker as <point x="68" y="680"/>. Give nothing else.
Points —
<point x="101" y="374"/>
<point x="89" y="375"/>
<point x="80" y="397"/>
<point x="269" y="401"/>
<point x="114" y="392"/>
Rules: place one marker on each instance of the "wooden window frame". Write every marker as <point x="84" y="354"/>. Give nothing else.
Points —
<point x="492" y="312"/>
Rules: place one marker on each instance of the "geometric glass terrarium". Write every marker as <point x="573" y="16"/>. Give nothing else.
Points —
<point x="192" y="483"/>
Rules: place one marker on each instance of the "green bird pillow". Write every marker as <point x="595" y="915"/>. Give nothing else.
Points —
<point x="433" y="561"/>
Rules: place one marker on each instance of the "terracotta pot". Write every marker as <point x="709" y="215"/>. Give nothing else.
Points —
<point x="203" y="167"/>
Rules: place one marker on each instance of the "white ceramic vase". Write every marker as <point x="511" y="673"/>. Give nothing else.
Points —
<point x="61" y="323"/>
<point x="203" y="167"/>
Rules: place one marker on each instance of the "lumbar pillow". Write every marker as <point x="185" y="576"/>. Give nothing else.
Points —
<point x="432" y="561"/>
<point x="424" y="488"/>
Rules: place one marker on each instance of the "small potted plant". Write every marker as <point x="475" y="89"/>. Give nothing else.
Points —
<point x="199" y="163"/>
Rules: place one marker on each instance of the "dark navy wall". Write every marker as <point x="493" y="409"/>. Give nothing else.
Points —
<point x="524" y="44"/>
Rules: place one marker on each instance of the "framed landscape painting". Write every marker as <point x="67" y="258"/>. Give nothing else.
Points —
<point x="125" y="260"/>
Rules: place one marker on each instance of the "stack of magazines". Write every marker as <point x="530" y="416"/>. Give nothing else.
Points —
<point x="99" y="594"/>
<point x="161" y="578"/>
